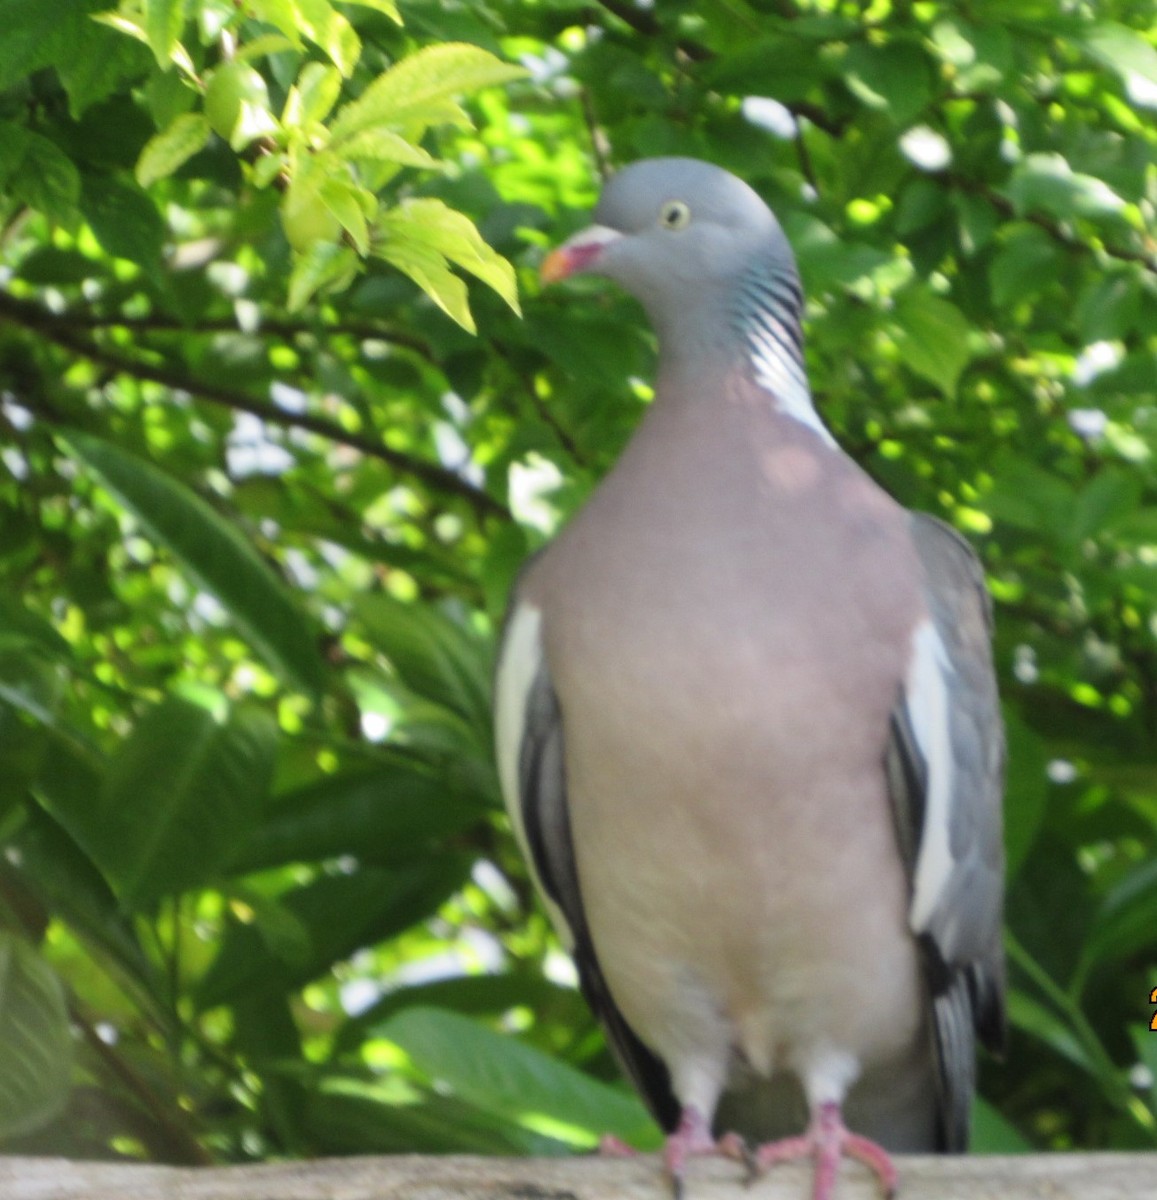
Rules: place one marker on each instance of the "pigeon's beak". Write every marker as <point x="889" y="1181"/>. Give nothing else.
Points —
<point x="579" y="253"/>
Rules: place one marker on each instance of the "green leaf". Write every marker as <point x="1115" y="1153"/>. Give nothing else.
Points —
<point x="827" y="261"/>
<point x="391" y="814"/>
<point x="428" y="269"/>
<point x="327" y="28"/>
<point x="313" y="96"/>
<point x="352" y="1116"/>
<point x="181" y="793"/>
<point x="164" y="21"/>
<point x="387" y="7"/>
<point x="64" y="877"/>
<point x="415" y="90"/>
<point x="895" y="77"/>
<point x="475" y="995"/>
<point x="34" y="1034"/>
<point x="215" y="555"/>
<point x="1026" y="496"/>
<point x="1109" y="498"/>
<point x="172" y="147"/>
<point x="993" y="1133"/>
<point x="237" y="104"/>
<point x="281" y="14"/>
<point x="1048" y="183"/>
<point x="1024" y="266"/>
<point x="348" y="203"/>
<point x="434" y="657"/>
<point x="340" y="914"/>
<point x="380" y="145"/>
<point x="125" y="220"/>
<point x="508" y="1078"/>
<point x="324" y="266"/>
<point x="47" y="179"/>
<point x="932" y="337"/>
<point x="1026" y="791"/>
<point x="1124" y="923"/>
<point x="419" y="236"/>
<point x="20" y="625"/>
<point x="1121" y="49"/>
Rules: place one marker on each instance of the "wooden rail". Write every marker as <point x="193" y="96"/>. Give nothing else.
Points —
<point x="1027" y="1177"/>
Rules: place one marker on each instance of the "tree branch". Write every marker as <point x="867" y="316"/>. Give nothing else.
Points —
<point x="278" y="328"/>
<point x="57" y="330"/>
<point x="1006" y="208"/>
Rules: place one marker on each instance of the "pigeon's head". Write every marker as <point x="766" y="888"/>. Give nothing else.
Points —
<point x="680" y="235"/>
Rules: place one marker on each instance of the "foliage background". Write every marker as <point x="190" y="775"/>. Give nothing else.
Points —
<point x="262" y="494"/>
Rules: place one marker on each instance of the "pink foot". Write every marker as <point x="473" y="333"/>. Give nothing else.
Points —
<point x="693" y="1139"/>
<point x="826" y="1139"/>
<point x="613" y="1147"/>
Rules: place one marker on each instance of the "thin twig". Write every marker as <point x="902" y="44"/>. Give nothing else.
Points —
<point x="57" y="331"/>
<point x="180" y="1143"/>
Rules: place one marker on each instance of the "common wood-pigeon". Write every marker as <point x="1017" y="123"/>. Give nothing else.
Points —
<point x="748" y="730"/>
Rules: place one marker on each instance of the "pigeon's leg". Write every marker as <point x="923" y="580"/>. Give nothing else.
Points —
<point x="826" y="1140"/>
<point x="693" y="1138"/>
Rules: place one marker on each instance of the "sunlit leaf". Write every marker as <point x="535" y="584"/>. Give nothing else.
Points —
<point x="415" y="90"/>
<point x="172" y="147"/>
<point x="932" y="336"/>
<point x="182" y="792"/>
<point x="508" y="1078"/>
<point x="214" y="553"/>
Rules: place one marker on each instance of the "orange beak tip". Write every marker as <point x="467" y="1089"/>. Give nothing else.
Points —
<point x="556" y="266"/>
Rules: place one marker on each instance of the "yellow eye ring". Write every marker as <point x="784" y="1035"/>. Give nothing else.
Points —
<point x="674" y="214"/>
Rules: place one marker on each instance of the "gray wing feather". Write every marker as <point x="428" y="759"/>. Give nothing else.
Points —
<point x="545" y="817"/>
<point x="961" y="938"/>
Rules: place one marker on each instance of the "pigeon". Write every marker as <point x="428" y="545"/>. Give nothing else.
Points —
<point x="748" y="731"/>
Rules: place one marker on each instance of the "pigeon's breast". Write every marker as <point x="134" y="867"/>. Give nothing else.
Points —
<point x="726" y="648"/>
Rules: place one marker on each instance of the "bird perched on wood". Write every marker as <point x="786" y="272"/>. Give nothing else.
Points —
<point x="748" y="730"/>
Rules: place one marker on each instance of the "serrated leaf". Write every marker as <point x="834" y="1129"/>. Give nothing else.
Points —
<point x="323" y="265"/>
<point x="172" y="148"/>
<point x="932" y="336"/>
<point x="380" y="145"/>
<point x="35" y="1040"/>
<point x="509" y="1078"/>
<point x="428" y="269"/>
<point x="214" y="554"/>
<point x="345" y="201"/>
<point x="314" y="95"/>
<point x="181" y="793"/>
<point x="164" y="21"/>
<point x="327" y="28"/>
<point x="415" y="90"/>
<point x="435" y="226"/>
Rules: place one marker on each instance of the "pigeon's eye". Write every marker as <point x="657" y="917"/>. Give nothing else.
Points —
<point x="674" y="215"/>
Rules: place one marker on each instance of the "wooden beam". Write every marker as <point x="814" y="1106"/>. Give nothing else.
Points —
<point x="1028" y="1177"/>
